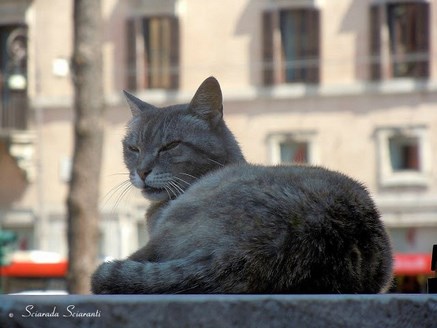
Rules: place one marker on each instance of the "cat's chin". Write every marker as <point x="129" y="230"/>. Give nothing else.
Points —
<point x="154" y="194"/>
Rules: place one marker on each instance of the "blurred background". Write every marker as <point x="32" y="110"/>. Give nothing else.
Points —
<point x="349" y="84"/>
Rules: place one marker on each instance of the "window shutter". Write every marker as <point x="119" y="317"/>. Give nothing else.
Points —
<point x="422" y="35"/>
<point x="375" y="42"/>
<point x="412" y="157"/>
<point x="312" y="56"/>
<point x="268" y="56"/>
<point x="174" y="53"/>
<point x="131" y="69"/>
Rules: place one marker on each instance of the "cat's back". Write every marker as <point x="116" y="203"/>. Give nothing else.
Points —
<point x="295" y="181"/>
<point x="274" y="194"/>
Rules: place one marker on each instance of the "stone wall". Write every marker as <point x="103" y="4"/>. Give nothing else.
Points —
<point x="390" y="310"/>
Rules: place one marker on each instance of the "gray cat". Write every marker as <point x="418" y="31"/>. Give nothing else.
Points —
<point x="220" y="225"/>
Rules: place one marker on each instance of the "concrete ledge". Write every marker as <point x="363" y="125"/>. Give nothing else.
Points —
<point x="390" y="310"/>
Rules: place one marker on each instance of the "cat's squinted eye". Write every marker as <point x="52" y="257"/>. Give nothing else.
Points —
<point x="133" y="149"/>
<point x="169" y="146"/>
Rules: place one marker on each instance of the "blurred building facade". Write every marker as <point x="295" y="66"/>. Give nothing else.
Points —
<point x="350" y="85"/>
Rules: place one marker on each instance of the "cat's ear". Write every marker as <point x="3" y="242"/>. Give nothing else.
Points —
<point x="207" y="103"/>
<point x="136" y="105"/>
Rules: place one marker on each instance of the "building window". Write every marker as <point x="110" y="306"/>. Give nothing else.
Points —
<point x="293" y="152"/>
<point x="404" y="155"/>
<point x="291" y="46"/>
<point x="399" y="40"/>
<point x="153" y="53"/>
<point x="292" y="148"/>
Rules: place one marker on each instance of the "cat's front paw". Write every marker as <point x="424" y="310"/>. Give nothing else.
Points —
<point x="105" y="280"/>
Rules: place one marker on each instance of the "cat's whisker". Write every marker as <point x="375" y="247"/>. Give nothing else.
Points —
<point x="177" y="186"/>
<point x="124" y="192"/>
<point x="214" y="161"/>
<point x="171" y="189"/>
<point x="178" y="189"/>
<point x="121" y="173"/>
<point x="121" y="189"/>
<point x="182" y="180"/>
<point x="175" y="192"/>
<point x="189" y="175"/>
<point x="168" y="193"/>
<point x="181" y="190"/>
<point x="114" y="190"/>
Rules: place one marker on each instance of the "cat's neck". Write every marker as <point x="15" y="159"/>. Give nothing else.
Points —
<point x="153" y="212"/>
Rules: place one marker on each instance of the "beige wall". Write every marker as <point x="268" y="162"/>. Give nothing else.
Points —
<point x="344" y="125"/>
<point x="50" y="38"/>
<point x="344" y="41"/>
<point x="220" y="38"/>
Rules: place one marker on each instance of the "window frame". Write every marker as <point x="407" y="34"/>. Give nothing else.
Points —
<point x="274" y="141"/>
<point x="390" y="177"/>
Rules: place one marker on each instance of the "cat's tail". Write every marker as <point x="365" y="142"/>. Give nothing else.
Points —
<point x="188" y="275"/>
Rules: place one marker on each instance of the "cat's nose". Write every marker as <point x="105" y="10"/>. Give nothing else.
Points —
<point x="143" y="173"/>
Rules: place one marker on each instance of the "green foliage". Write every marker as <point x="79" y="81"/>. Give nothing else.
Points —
<point x="7" y="240"/>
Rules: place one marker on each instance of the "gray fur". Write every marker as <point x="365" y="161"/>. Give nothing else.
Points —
<point x="220" y="225"/>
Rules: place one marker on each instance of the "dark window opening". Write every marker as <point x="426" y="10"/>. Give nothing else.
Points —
<point x="404" y="153"/>
<point x="295" y="57"/>
<point x="294" y="152"/>
<point x="408" y="33"/>
<point x="153" y="53"/>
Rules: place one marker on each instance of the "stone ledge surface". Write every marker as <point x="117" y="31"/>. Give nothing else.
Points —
<point x="389" y="310"/>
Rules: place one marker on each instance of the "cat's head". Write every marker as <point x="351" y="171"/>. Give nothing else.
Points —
<point x="167" y="149"/>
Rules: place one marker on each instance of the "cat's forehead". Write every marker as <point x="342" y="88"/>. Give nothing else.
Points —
<point x="146" y="126"/>
<point x="165" y="118"/>
<point x="164" y="122"/>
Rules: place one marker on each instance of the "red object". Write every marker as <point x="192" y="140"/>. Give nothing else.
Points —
<point x="32" y="269"/>
<point x="412" y="264"/>
<point x="404" y="264"/>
